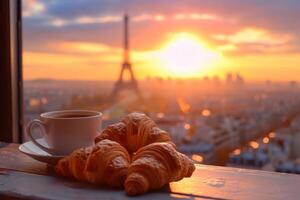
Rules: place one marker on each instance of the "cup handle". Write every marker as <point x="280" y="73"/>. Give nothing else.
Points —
<point x="41" y="126"/>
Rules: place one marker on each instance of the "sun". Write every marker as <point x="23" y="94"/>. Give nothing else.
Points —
<point x="186" y="56"/>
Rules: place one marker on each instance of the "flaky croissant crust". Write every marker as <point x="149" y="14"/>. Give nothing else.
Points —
<point x="155" y="161"/>
<point x="134" y="131"/>
<point x="106" y="163"/>
<point x="155" y="165"/>
<point x="115" y="132"/>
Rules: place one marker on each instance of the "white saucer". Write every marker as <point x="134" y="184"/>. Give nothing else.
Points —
<point x="30" y="149"/>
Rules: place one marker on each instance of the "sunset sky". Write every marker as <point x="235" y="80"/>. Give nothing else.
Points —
<point x="82" y="39"/>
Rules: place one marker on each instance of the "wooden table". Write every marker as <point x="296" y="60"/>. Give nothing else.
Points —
<point x="24" y="178"/>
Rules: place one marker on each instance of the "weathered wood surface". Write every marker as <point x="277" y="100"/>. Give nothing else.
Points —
<point x="235" y="183"/>
<point x="24" y="178"/>
<point x="12" y="158"/>
<point x="32" y="186"/>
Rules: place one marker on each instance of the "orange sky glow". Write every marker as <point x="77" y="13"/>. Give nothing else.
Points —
<point x="179" y="45"/>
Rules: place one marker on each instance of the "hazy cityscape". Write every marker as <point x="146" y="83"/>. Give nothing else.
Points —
<point x="215" y="121"/>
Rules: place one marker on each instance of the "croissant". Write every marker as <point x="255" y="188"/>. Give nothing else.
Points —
<point x="155" y="165"/>
<point x="106" y="163"/>
<point x="115" y="132"/>
<point x="135" y="131"/>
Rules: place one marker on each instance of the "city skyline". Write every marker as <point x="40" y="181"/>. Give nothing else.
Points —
<point x="258" y="40"/>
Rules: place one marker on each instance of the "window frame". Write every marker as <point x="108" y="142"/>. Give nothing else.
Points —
<point x="11" y="85"/>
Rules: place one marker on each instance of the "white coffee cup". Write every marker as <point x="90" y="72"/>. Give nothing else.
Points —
<point x="66" y="130"/>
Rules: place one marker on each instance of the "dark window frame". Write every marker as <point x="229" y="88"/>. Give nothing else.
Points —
<point x="11" y="100"/>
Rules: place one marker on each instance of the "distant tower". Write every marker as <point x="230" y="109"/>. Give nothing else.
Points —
<point x="121" y="84"/>
<point x="229" y="78"/>
<point x="239" y="79"/>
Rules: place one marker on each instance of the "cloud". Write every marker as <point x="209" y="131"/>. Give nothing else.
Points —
<point x="97" y="61"/>
<point x="197" y="16"/>
<point x="83" y="47"/>
<point x="84" y="20"/>
<point x="58" y="22"/>
<point x="88" y="20"/>
<point x="222" y="23"/>
<point x="254" y="40"/>
<point x="107" y="52"/>
<point x="178" y="16"/>
<point x="99" y="19"/>
<point x="256" y="36"/>
<point x="227" y="47"/>
<point x="32" y="8"/>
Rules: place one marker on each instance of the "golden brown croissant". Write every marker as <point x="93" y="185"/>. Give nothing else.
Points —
<point x="135" y="131"/>
<point x="155" y="165"/>
<point x="115" y="132"/>
<point x="106" y="163"/>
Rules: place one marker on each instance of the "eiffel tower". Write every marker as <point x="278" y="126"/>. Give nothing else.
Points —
<point x="122" y="84"/>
